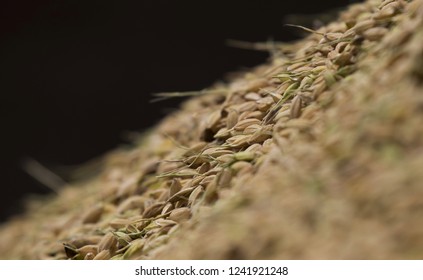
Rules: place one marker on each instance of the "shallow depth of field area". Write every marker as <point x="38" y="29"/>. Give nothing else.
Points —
<point x="316" y="154"/>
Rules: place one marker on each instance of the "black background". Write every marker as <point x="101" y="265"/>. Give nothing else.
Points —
<point x="75" y="75"/>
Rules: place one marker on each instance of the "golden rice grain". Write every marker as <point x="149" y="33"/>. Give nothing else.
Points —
<point x="180" y="214"/>
<point x="207" y="180"/>
<point x="237" y="141"/>
<point x="88" y="249"/>
<point x="204" y="168"/>
<point x="231" y="119"/>
<point x="119" y="223"/>
<point x="242" y="167"/>
<point x="167" y="208"/>
<point x="214" y="119"/>
<point x="175" y="186"/>
<point x="93" y="215"/>
<point x="193" y="197"/>
<point x="133" y="202"/>
<point x="224" y="178"/>
<point x="222" y="133"/>
<point x="89" y="256"/>
<point x="181" y="195"/>
<point x="375" y="33"/>
<point x="108" y="242"/>
<point x="252" y="96"/>
<point x="134" y="250"/>
<point x="296" y="107"/>
<point x="154" y="209"/>
<point x="122" y="238"/>
<point x="241" y="125"/>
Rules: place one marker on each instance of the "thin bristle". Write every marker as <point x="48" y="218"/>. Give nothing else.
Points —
<point x="42" y="174"/>
<point x="304" y="28"/>
<point x="168" y="95"/>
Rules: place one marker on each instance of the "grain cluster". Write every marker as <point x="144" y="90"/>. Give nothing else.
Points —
<point x="177" y="173"/>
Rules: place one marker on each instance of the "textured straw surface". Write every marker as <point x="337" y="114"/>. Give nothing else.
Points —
<point x="317" y="154"/>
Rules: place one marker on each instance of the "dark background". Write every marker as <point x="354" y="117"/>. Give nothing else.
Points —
<point x="75" y="75"/>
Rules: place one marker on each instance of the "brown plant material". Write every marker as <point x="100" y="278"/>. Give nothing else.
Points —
<point x="316" y="154"/>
